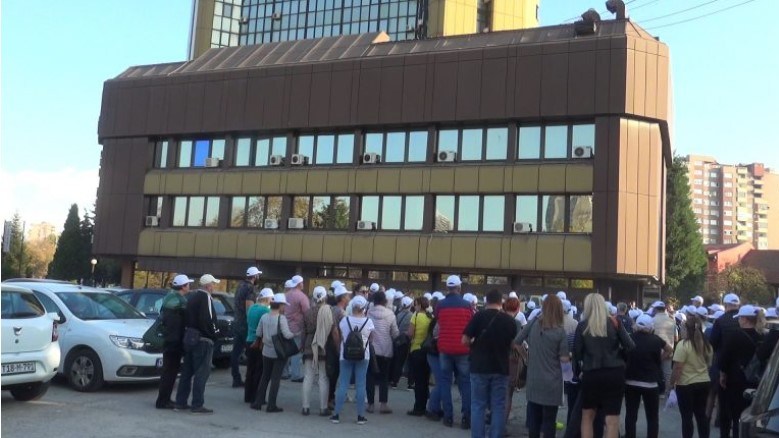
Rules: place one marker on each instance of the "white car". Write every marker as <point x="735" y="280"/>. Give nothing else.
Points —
<point x="100" y="335"/>
<point x="31" y="354"/>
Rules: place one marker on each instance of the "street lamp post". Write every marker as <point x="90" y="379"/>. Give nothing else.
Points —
<point x="93" y="262"/>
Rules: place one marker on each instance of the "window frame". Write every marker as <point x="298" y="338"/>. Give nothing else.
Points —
<point x="540" y="212"/>
<point x="406" y="144"/>
<point x="253" y="141"/>
<point x="456" y="218"/>
<point x="161" y="152"/>
<point x="193" y="142"/>
<point x="401" y="213"/>
<point x="265" y="207"/>
<point x="309" y="219"/>
<point x="203" y="217"/>
<point x="542" y="139"/>
<point x="484" y="138"/>
<point x="336" y="142"/>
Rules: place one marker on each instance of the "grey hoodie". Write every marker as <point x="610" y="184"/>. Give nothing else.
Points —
<point x="386" y="330"/>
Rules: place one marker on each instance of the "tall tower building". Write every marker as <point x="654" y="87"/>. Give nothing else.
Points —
<point x="735" y="203"/>
<point x="227" y="23"/>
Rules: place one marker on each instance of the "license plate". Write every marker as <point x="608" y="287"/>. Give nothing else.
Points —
<point x="18" y="368"/>
<point x="159" y="363"/>
<point x="227" y="348"/>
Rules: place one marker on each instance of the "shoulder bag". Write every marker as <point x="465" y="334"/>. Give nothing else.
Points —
<point x="285" y="348"/>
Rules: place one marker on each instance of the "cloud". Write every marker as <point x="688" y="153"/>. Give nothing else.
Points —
<point x="47" y="195"/>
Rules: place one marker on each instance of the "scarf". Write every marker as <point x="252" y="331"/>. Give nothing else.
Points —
<point x="324" y="322"/>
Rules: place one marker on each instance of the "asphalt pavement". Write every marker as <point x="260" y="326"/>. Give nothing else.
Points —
<point x="128" y="411"/>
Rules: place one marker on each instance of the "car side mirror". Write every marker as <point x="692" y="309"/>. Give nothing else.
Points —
<point x="749" y="394"/>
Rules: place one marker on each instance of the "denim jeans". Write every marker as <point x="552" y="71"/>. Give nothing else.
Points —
<point x="239" y="344"/>
<point x="194" y="373"/>
<point x="295" y="363"/>
<point x="351" y="368"/>
<point x="459" y="364"/>
<point x="434" y="402"/>
<point x="541" y="420"/>
<point x="488" y="390"/>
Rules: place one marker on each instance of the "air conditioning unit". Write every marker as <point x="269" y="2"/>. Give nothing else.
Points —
<point x="371" y="158"/>
<point x="296" y="223"/>
<point x="582" y="152"/>
<point x="366" y="226"/>
<point x="299" y="160"/>
<point x="271" y="224"/>
<point x="447" y="156"/>
<point x="212" y="162"/>
<point x="244" y="20"/>
<point x="277" y="160"/>
<point x="523" y="227"/>
<point x="152" y="221"/>
<point x="276" y="16"/>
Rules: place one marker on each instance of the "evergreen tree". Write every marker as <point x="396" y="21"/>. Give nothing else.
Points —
<point x="15" y="261"/>
<point x="685" y="257"/>
<point x="71" y="258"/>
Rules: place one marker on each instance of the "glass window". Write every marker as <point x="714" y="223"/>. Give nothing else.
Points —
<point x="201" y="153"/>
<point x="325" y="148"/>
<point x="179" y="211"/>
<point x="162" y="154"/>
<point x="237" y="211"/>
<point x="417" y="146"/>
<point x="370" y="209"/>
<point x="414" y="214"/>
<point x="306" y="146"/>
<point x="280" y="146"/>
<point x="263" y="151"/>
<point x="218" y="149"/>
<point x="553" y="213"/>
<point x="556" y="142"/>
<point x="447" y="140"/>
<point x="345" y="152"/>
<point x="497" y="143"/>
<point x="444" y="213"/>
<point x="390" y="212"/>
<point x="320" y="213"/>
<point x="494" y="217"/>
<point x="472" y="145"/>
<point x="212" y="212"/>
<point x="195" y="214"/>
<point x="529" y="142"/>
<point x="243" y="150"/>
<point x="581" y="214"/>
<point x="373" y="142"/>
<point x="396" y="147"/>
<point x="583" y="135"/>
<point x="527" y="210"/>
<point x="340" y="215"/>
<point x="274" y="207"/>
<point x="256" y="212"/>
<point x="185" y="154"/>
<point x="300" y="207"/>
<point x="468" y="214"/>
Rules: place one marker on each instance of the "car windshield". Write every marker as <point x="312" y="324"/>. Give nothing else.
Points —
<point x="222" y="305"/>
<point x="97" y="305"/>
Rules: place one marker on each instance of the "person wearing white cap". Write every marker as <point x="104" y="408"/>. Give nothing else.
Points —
<point x="562" y="295"/>
<point x="270" y="325"/>
<point x="254" y="349"/>
<point x="384" y="332"/>
<point x="697" y="301"/>
<point x="428" y="295"/>
<point x="244" y="298"/>
<point x="342" y="299"/>
<point x="402" y="343"/>
<point x="635" y="313"/>
<point x="199" y="337"/>
<point x="173" y="316"/>
<point x="644" y="366"/>
<point x="297" y="306"/>
<point x="318" y="324"/>
<point x="472" y="300"/>
<point x="438" y="296"/>
<point x="419" y="366"/>
<point x="722" y="328"/>
<point x="624" y="318"/>
<point x="665" y="328"/>
<point x="513" y="294"/>
<point x="358" y="324"/>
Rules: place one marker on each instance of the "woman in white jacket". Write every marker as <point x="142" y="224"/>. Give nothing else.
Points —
<point x="386" y="329"/>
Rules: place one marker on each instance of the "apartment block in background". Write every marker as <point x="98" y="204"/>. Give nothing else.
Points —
<point x="230" y="23"/>
<point x="735" y="203"/>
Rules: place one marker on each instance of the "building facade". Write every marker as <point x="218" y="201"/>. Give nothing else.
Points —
<point x="511" y="158"/>
<point x="230" y="23"/>
<point x="734" y="203"/>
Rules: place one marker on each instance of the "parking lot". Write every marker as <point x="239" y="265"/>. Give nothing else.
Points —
<point x="128" y="411"/>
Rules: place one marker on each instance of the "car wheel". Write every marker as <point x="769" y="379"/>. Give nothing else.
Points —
<point x="29" y="391"/>
<point x="222" y="362"/>
<point x="84" y="371"/>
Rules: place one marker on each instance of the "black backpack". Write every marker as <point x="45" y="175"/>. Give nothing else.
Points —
<point x="354" y="348"/>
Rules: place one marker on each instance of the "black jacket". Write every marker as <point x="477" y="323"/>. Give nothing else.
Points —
<point x="644" y="361"/>
<point x="723" y="326"/>
<point x="737" y="350"/>
<point x="173" y="314"/>
<point x="198" y="315"/>
<point x="591" y="353"/>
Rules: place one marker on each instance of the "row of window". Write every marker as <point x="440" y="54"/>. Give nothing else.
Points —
<point x="470" y="144"/>
<point x="452" y="213"/>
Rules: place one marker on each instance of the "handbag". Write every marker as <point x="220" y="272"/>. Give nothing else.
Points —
<point x="285" y="348"/>
<point x="402" y="340"/>
<point x="429" y="345"/>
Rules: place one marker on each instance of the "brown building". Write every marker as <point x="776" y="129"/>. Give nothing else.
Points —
<point x="531" y="160"/>
<point x="734" y="204"/>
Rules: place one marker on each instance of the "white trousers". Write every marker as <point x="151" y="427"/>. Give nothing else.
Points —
<point x="308" y="379"/>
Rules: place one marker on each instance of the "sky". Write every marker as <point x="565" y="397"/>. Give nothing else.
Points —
<point x="56" y="54"/>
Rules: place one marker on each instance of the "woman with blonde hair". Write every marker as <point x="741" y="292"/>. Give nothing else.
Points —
<point x="599" y="346"/>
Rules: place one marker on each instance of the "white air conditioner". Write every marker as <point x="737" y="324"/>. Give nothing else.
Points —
<point x="277" y="160"/>
<point x="276" y="16"/>
<point x="410" y="29"/>
<point x="582" y="152"/>
<point x="296" y="223"/>
<point x="299" y="160"/>
<point x="371" y="158"/>
<point x="244" y="20"/>
<point x="271" y="224"/>
<point x="152" y="221"/>
<point x="366" y="226"/>
<point x="447" y="156"/>
<point x="523" y="227"/>
<point x="212" y="162"/>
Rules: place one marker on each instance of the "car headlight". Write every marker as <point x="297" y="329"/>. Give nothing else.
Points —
<point x="127" y="342"/>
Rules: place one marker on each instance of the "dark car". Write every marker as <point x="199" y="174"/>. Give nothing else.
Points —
<point x="761" y="418"/>
<point x="149" y="302"/>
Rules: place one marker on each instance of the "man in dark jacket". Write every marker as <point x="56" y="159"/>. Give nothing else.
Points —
<point x="723" y="328"/>
<point x="199" y="336"/>
<point x="244" y="298"/>
<point x="173" y="314"/>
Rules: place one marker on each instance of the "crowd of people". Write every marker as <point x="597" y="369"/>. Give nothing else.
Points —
<point x="698" y="357"/>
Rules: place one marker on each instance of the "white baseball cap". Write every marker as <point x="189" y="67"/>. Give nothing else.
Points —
<point x="288" y="284"/>
<point x="181" y="280"/>
<point x="296" y="280"/>
<point x="208" y="279"/>
<point x="531" y="305"/>
<point x="513" y="294"/>
<point x="645" y="321"/>
<point x="543" y="298"/>
<point x="266" y="293"/>
<point x="658" y="305"/>
<point x="320" y="293"/>
<point x="251" y="272"/>
<point x="716" y="307"/>
<point x="280" y="298"/>
<point x="390" y="294"/>
<point x="680" y="316"/>
<point x="374" y="287"/>
<point x="359" y="302"/>
<point x="334" y="285"/>
<point x="635" y="313"/>
<point x="574" y="310"/>
<point x="566" y="306"/>
<point x="428" y="295"/>
<point x="562" y="295"/>
<point x="718" y="313"/>
<point x="453" y="281"/>
<point x="471" y="298"/>
<point x="407" y="301"/>
<point x="731" y="299"/>
<point x="746" y="310"/>
<point x="438" y="295"/>
<point x="399" y="294"/>
<point x="341" y="290"/>
<point x="697" y="298"/>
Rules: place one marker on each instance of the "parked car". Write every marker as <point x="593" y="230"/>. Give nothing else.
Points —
<point x="100" y="335"/>
<point x="149" y="302"/>
<point x="761" y="418"/>
<point x="30" y="351"/>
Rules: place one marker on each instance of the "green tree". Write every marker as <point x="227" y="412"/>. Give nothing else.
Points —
<point x="16" y="260"/>
<point x="748" y="283"/>
<point x="72" y="256"/>
<point x="685" y="257"/>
